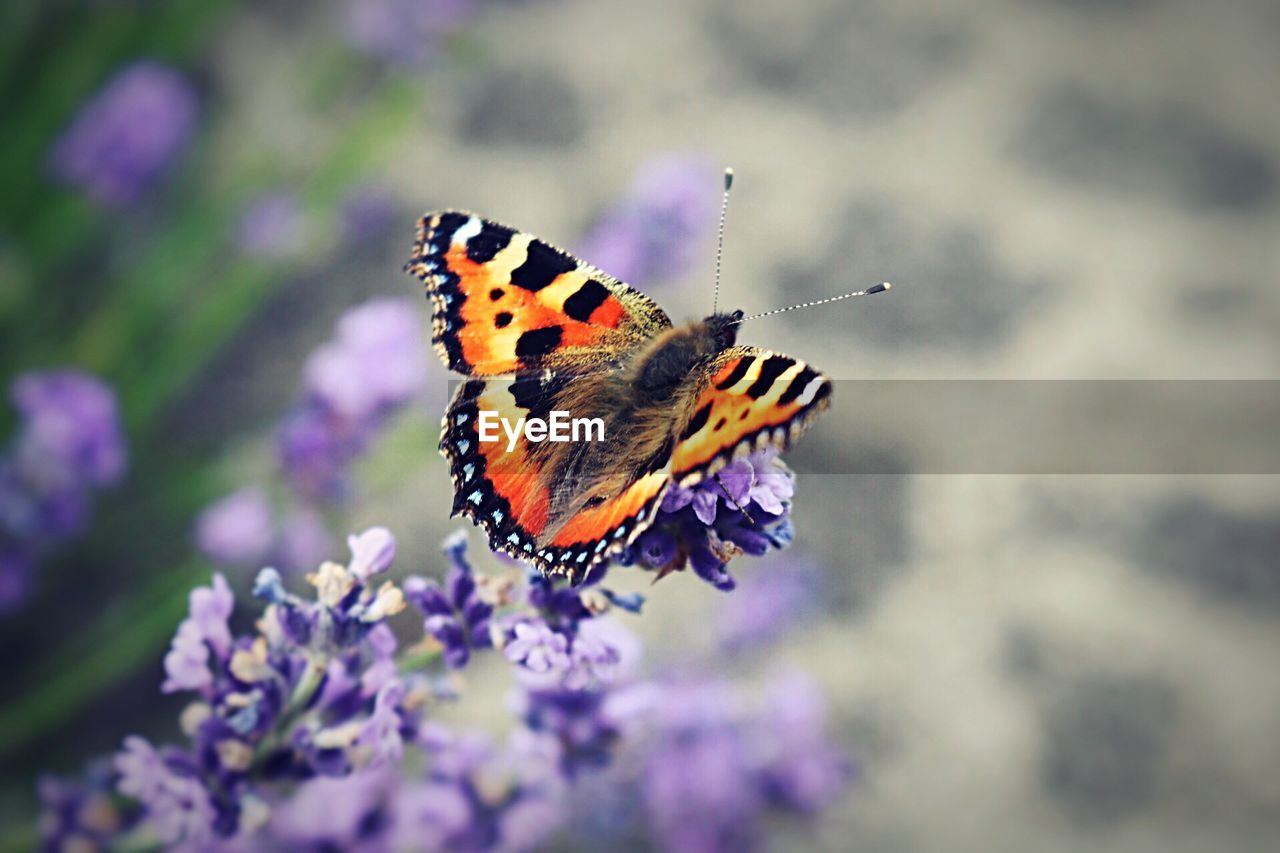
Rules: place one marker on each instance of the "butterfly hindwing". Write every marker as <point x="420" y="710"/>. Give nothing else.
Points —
<point x="505" y="301"/>
<point x="751" y="399"/>
<point x="507" y="486"/>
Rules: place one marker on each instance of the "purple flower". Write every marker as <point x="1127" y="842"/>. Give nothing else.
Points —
<point x="800" y="769"/>
<point x="779" y="596"/>
<point x="237" y="530"/>
<point x="71" y="434"/>
<point x="271" y="227"/>
<point x="537" y="648"/>
<point x="178" y="805"/>
<point x="380" y="734"/>
<point x="375" y="364"/>
<point x="716" y="766"/>
<point x="404" y="31"/>
<point x="376" y="360"/>
<point x="203" y="632"/>
<point x="70" y="443"/>
<point x="127" y="135"/>
<point x="477" y="798"/>
<point x="80" y="814"/>
<point x="339" y="813"/>
<point x="656" y="231"/>
<point x="456" y="614"/>
<point x="372" y="552"/>
<point x="743" y="508"/>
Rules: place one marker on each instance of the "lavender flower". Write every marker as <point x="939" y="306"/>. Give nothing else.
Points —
<point x="203" y="633"/>
<point x="178" y="805"/>
<point x="652" y="234"/>
<point x="403" y="31"/>
<point x="296" y="730"/>
<point x="475" y="797"/>
<point x="70" y="444"/>
<point x="777" y="598"/>
<point x="742" y="508"/>
<point x="715" y="766"/>
<point x="237" y="530"/>
<point x="71" y="435"/>
<point x="80" y="814"/>
<point x="127" y="135"/>
<point x="457" y="615"/>
<point x="337" y="813"/>
<point x="375" y="364"/>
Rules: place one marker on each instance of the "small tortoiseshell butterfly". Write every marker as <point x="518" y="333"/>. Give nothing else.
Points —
<point x="536" y="330"/>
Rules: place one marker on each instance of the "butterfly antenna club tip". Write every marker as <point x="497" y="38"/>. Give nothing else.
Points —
<point x="875" y="288"/>
<point x="724" y="207"/>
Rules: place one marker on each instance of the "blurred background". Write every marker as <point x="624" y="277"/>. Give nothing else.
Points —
<point x="196" y="191"/>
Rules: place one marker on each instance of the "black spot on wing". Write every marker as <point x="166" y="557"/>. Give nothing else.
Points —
<point x="797" y="386"/>
<point x="538" y="394"/>
<point x="770" y="370"/>
<point x="496" y="294"/>
<point x="585" y="300"/>
<point x="541" y="267"/>
<point x="503" y="319"/>
<point x="739" y="371"/>
<point x="491" y="240"/>
<point x="698" y="421"/>
<point x="538" y="342"/>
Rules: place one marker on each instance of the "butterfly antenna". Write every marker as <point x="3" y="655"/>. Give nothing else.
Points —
<point x="724" y="207"/>
<point x="878" y="288"/>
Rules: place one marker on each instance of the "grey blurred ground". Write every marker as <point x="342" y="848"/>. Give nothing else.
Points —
<point x="1059" y="190"/>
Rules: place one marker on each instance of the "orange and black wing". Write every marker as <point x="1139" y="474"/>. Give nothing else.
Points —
<point x="751" y="398"/>
<point x="506" y="486"/>
<point x="505" y="301"/>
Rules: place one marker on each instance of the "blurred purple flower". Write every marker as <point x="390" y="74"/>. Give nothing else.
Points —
<point x="655" y="232"/>
<point x="456" y="614"/>
<point x="404" y="31"/>
<point x="127" y="135"/>
<point x="81" y="814"/>
<point x="377" y="359"/>
<point x="475" y="797"/>
<point x="375" y="364"/>
<point x="715" y="766"/>
<point x="70" y="443"/>
<point x="178" y="805"/>
<point x="71" y="434"/>
<point x="271" y="227"/>
<point x="237" y="530"/>
<point x="336" y="813"/>
<point x="777" y="598"/>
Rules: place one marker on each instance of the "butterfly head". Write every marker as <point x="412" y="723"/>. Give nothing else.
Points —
<point x="723" y="329"/>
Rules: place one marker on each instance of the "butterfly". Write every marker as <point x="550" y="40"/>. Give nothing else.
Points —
<point x="534" y="331"/>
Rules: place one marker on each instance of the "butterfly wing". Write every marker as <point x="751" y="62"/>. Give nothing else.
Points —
<point x="506" y="301"/>
<point x="510" y="486"/>
<point x="752" y="399"/>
